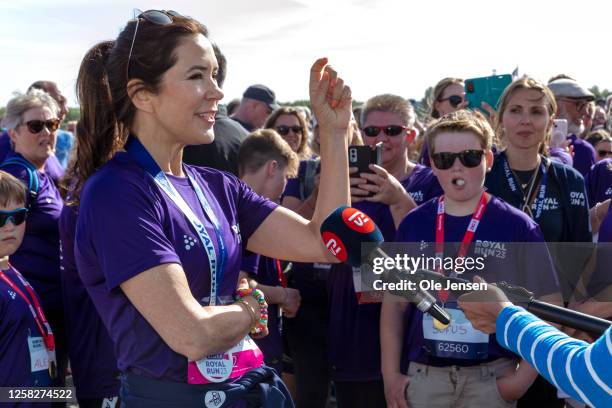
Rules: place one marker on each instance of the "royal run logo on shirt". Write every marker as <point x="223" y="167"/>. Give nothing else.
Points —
<point x="12" y="294"/>
<point x="417" y="196"/>
<point x="577" y="198"/>
<point x="490" y="249"/>
<point x="550" y="204"/>
<point x="236" y="229"/>
<point x="608" y="192"/>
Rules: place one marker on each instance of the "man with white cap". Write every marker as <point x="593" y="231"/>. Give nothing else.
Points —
<point x="572" y="100"/>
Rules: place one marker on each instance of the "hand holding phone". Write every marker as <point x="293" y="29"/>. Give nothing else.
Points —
<point x="360" y="158"/>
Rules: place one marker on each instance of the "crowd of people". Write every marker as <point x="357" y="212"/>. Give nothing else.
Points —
<point x="166" y="252"/>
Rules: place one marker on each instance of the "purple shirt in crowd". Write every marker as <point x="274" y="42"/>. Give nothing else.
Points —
<point x="127" y="225"/>
<point x="599" y="182"/>
<point x="53" y="168"/>
<point x="264" y="271"/>
<point x="16" y="325"/>
<point x="92" y="359"/>
<point x="529" y="266"/>
<point x="38" y="256"/>
<point x="561" y="155"/>
<point x="584" y="154"/>
<point x="354" y="330"/>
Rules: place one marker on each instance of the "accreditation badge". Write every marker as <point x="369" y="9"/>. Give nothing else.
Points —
<point x="41" y="362"/>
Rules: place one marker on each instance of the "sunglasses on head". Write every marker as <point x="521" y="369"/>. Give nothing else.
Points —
<point x="391" y="130"/>
<point x="159" y="17"/>
<point x="454" y="100"/>
<point x="36" y="126"/>
<point x="469" y="158"/>
<point x="17" y="217"/>
<point x="284" y="130"/>
<point x="604" y="153"/>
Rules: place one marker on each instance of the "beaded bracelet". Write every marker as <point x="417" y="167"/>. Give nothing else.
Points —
<point x="263" y="307"/>
<point x="250" y="309"/>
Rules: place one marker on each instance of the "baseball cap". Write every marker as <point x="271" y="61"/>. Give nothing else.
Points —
<point x="568" y="88"/>
<point x="263" y="94"/>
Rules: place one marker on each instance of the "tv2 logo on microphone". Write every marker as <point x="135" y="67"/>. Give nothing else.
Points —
<point x="357" y="221"/>
<point x="335" y="245"/>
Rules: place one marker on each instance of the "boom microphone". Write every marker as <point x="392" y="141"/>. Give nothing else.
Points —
<point x="518" y="294"/>
<point x="343" y="232"/>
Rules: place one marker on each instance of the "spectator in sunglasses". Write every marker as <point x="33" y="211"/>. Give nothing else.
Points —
<point x="601" y="142"/>
<point x="385" y="195"/>
<point x="32" y="120"/>
<point x="437" y="360"/>
<point x="292" y="126"/>
<point x="65" y="139"/>
<point x="573" y="104"/>
<point x="158" y="243"/>
<point x="26" y="342"/>
<point x="552" y="194"/>
<point x="448" y="96"/>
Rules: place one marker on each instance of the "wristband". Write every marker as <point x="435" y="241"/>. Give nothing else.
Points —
<point x="263" y="307"/>
<point x="250" y="310"/>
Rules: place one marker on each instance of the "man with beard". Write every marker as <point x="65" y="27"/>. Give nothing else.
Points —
<point x="572" y="100"/>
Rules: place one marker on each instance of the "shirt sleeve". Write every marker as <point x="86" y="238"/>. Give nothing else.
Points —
<point x="126" y="238"/>
<point x="252" y="210"/>
<point x="581" y="370"/>
<point x="250" y="264"/>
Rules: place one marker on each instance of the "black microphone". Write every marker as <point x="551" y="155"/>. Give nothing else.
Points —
<point x="346" y="229"/>
<point x="518" y="294"/>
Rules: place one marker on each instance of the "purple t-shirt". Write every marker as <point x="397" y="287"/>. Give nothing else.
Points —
<point x="38" y="256"/>
<point x="53" y="168"/>
<point x="561" y="155"/>
<point x="127" y="225"/>
<point x="354" y="334"/>
<point x="584" y="154"/>
<point x="92" y="359"/>
<point x="601" y="276"/>
<point x="17" y="325"/>
<point x="264" y="271"/>
<point x="500" y="223"/>
<point x="599" y="182"/>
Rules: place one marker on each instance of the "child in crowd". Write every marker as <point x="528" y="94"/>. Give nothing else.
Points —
<point x="27" y="346"/>
<point x="459" y="365"/>
<point x="265" y="161"/>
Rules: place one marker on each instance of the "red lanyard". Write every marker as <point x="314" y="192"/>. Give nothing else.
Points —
<point x="36" y="309"/>
<point x="281" y="276"/>
<point x="467" y="238"/>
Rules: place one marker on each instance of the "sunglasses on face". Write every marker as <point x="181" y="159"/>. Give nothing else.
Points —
<point x="17" y="217"/>
<point x="604" y="153"/>
<point x="159" y="17"/>
<point x="391" y="130"/>
<point x="454" y="100"/>
<point x="469" y="158"/>
<point x="36" y="126"/>
<point x="284" y="130"/>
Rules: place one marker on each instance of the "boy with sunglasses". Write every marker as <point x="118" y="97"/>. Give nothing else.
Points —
<point x="459" y="365"/>
<point x="27" y="346"/>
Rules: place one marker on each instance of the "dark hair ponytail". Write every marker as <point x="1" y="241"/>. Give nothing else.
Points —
<point x="107" y="111"/>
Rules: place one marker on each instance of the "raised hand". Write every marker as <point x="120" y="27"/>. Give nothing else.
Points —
<point x="330" y="98"/>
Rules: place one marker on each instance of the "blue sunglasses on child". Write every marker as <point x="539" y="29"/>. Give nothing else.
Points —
<point x="17" y="217"/>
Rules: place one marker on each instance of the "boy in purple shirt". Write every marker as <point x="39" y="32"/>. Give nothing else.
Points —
<point x="397" y="186"/>
<point x="27" y="346"/>
<point x="461" y="154"/>
<point x="265" y="160"/>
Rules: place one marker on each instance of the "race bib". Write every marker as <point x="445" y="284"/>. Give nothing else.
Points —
<point x="460" y="340"/>
<point x="234" y="363"/>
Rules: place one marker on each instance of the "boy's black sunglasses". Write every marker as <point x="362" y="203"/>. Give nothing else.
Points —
<point x="469" y="158"/>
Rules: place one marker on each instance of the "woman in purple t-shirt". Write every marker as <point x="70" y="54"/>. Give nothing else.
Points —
<point x="158" y="243"/>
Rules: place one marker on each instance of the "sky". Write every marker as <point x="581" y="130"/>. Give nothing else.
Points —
<point x="377" y="46"/>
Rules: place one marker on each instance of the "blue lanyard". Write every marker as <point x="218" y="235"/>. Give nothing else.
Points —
<point x="514" y="186"/>
<point x="138" y="152"/>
